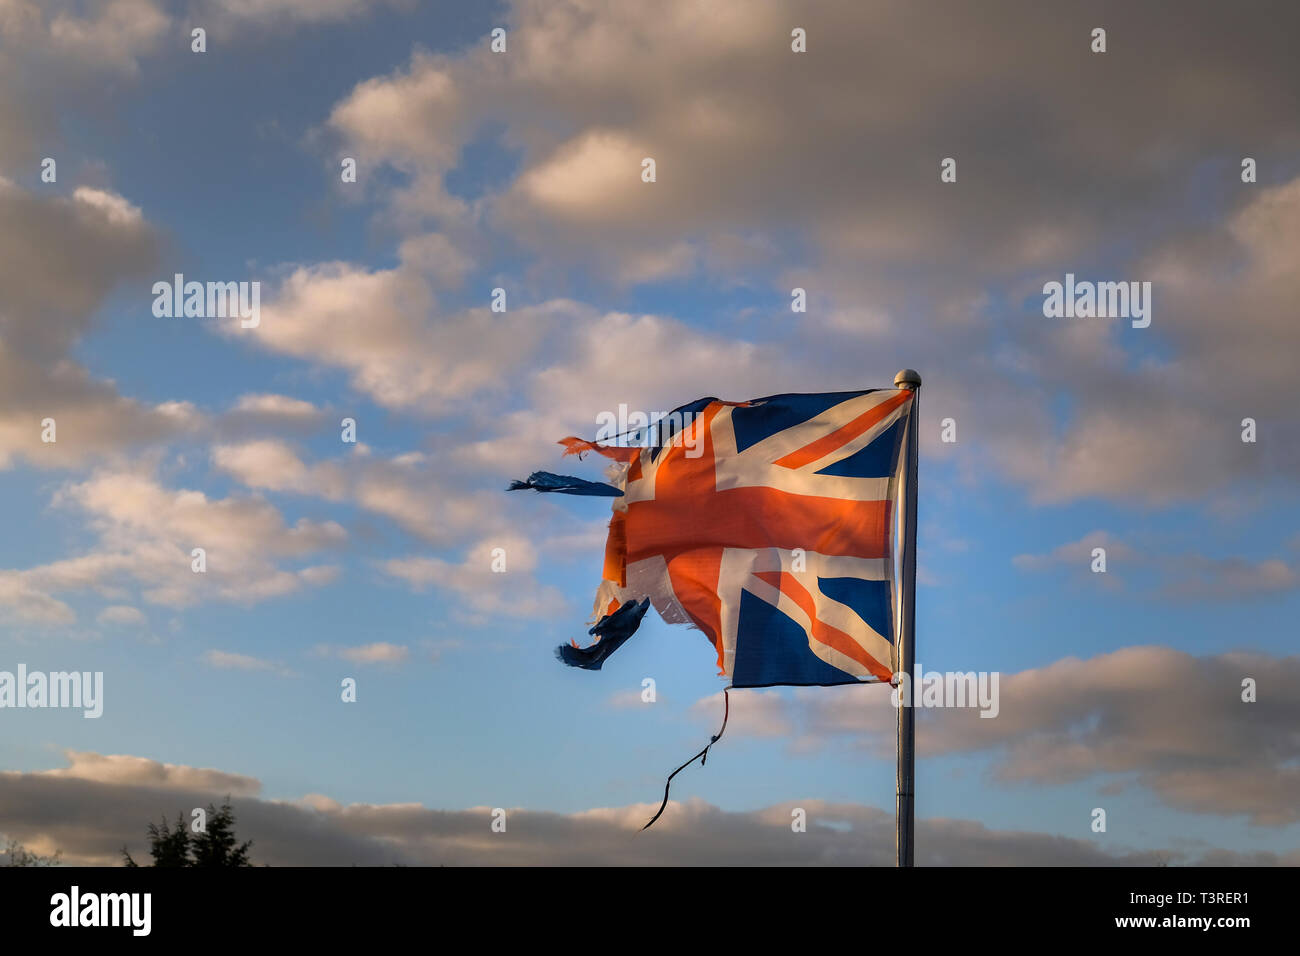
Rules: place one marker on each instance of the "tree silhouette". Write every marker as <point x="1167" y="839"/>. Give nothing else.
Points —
<point x="215" y="846"/>
<point x="15" y="854"/>
<point x="168" y="847"/>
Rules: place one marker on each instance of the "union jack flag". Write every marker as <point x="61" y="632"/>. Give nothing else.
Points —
<point x="767" y="525"/>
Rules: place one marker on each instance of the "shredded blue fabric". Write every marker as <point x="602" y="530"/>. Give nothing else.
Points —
<point x="612" y="630"/>
<point x="566" y="485"/>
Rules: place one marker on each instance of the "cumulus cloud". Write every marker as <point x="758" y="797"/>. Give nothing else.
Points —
<point x="1197" y="577"/>
<point x="1157" y="718"/>
<point x="424" y="497"/>
<point x="53" y="56"/>
<point x="31" y="604"/>
<point x="568" y="359"/>
<point x="1077" y="553"/>
<point x="890" y="255"/>
<point x="384" y="330"/>
<point x="125" y="771"/>
<point x="263" y="12"/>
<point x="483" y="591"/>
<point x="411" y="489"/>
<point x="275" y="466"/>
<point x="590" y="87"/>
<point x="269" y="413"/>
<point x="761" y="714"/>
<point x="98" y="804"/>
<point x="380" y="652"/>
<point x="59" y="258"/>
<point x="147" y="533"/>
<point x="628" y="699"/>
<point x="65" y="58"/>
<point x="107" y="35"/>
<point x="1180" y="576"/>
<point x="121" y="615"/>
<point x="227" y="660"/>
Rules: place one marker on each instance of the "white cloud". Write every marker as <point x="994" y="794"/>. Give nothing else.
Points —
<point x="98" y="804"/>
<point x="227" y="660"/>
<point x="727" y="111"/>
<point x="62" y="257"/>
<point x="121" y="614"/>
<point x="1185" y="576"/>
<point x="294" y="11"/>
<point x="1077" y="554"/>
<point x="115" y="34"/>
<point x="412" y="490"/>
<point x="485" y="592"/>
<point x="383" y="328"/>
<point x="1167" y="721"/>
<point x="380" y="652"/>
<point x="122" y="770"/>
<point x="147" y="534"/>
<point x="30" y="604"/>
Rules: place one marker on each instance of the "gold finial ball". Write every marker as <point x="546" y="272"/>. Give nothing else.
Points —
<point x="908" y="378"/>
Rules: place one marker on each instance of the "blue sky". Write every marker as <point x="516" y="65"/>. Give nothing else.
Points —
<point x="1067" y="436"/>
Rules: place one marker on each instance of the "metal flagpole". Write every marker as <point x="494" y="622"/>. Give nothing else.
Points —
<point x="904" y="789"/>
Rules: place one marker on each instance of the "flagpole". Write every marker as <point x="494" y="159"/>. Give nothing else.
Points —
<point x="905" y="786"/>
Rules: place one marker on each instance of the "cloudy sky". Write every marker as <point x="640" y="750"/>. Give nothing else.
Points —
<point x="521" y="170"/>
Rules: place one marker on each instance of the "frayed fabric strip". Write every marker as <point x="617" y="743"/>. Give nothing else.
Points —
<point x="566" y="485"/>
<point x="611" y="632"/>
